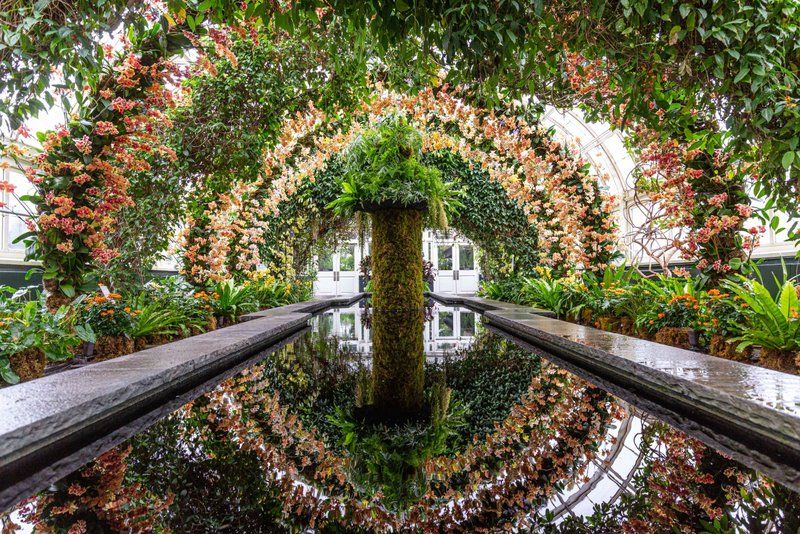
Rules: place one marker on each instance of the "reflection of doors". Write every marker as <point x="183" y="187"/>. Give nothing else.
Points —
<point x="456" y="268"/>
<point x="336" y="272"/>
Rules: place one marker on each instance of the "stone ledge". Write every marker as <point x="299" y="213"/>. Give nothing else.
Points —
<point x="309" y="306"/>
<point x="484" y="305"/>
<point x="51" y="417"/>
<point x="755" y="407"/>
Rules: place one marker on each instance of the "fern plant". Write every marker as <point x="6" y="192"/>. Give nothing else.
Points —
<point x="233" y="300"/>
<point x="383" y="167"/>
<point x="774" y="322"/>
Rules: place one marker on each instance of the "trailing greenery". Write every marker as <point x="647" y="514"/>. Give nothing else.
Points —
<point x="383" y="167"/>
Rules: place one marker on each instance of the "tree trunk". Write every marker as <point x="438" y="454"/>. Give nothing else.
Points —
<point x="397" y="325"/>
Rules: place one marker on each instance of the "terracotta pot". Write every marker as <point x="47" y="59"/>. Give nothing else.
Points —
<point x="108" y="347"/>
<point x="683" y="338"/>
<point x="779" y="360"/>
<point x="608" y="323"/>
<point x="28" y="364"/>
<point x="720" y="347"/>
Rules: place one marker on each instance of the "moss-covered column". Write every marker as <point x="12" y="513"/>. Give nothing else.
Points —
<point x="397" y="324"/>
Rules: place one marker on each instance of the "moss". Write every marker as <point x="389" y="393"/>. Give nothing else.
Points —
<point x="28" y="364"/>
<point x="398" y="375"/>
<point x="109" y="347"/>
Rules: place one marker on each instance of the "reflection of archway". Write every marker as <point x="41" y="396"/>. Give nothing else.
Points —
<point x="613" y="474"/>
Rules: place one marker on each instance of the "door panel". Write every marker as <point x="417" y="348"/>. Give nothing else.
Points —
<point x="445" y="281"/>
<point x="467" y="277"/>
<point x="347" y="273"/>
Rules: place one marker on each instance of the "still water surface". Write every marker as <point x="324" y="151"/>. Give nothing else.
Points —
<point x="507" y="441"/>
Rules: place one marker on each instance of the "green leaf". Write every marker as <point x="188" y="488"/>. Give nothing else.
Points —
<point x="788" y="159"/>
<point x="68" y="290"/>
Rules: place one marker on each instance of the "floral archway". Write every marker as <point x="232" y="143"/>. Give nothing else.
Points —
<point x="557" y="191"/>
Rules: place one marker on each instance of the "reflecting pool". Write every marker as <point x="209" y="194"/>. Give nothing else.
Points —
<point x="506" y="440"/>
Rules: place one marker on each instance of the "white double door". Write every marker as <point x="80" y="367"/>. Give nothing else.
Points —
<point x="456" y="269"/>
<point x="337" y="272"/>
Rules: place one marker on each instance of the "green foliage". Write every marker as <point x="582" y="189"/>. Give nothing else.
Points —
<point x="390" y="458"/>
<point x="25" y="324"/>
<point x="107" y="316"/>
<point x="271" y="293"/>
<point x="142" y="238"/>
<point x="488" y="379"/>
<point x="774" y="322"/>
<point x="164" y="317"/>
<point x="383" y="167"/>
<point x="506" y="289"/>
<point x="232" y="300"/>
<point x="496" y="224"/>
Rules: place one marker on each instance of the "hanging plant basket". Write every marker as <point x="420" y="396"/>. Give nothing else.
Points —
<point x="28" y="364"/>
<point x="372" y="207"/>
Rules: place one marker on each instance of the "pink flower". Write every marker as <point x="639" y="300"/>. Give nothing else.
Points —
<point x="744" y="210"/>
<point x="23" y="131"/>
<point x="105" y="128"/>
<point x="65" y="247"/>
<point x="718" y="200"/>
<point x="84" y="145"/>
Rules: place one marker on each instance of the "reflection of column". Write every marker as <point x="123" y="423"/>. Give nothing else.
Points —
<point x="397" y="321"/>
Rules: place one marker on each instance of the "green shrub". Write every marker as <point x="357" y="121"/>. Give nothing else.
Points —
<point x="107" y="315"/>
<point x="230" y="300"/>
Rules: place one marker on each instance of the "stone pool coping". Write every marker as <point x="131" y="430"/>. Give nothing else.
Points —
<point x="55" y="416"/>
<point x="735" y="405"/>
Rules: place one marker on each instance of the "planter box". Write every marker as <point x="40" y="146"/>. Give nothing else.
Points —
<point x="109" y="347"/>
<point x="779" y="360"/>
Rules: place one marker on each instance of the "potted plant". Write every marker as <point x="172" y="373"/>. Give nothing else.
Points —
<point x="230" y="300"/>
<point x="30" y="336"/>
<point x="674" y="320"/>
<point x="385" y="178"/>
<point x="112" y="322"/>
<point x="773" y="325"/>
<point x="725" y="313"/>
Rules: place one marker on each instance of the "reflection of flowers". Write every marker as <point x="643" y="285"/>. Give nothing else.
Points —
<point x="548" y="439"/>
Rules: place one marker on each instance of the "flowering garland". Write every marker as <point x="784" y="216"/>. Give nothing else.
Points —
<point x="81" y="173"/>
<point x="705" y="195"/>
<point x="555" y="190"/>
<point x="698" y="199"/>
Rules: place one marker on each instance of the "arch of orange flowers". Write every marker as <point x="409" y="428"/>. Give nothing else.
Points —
<point x="555" y="189"/>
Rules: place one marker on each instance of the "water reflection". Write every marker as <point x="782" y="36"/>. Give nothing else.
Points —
<point x="511" y="441"/>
